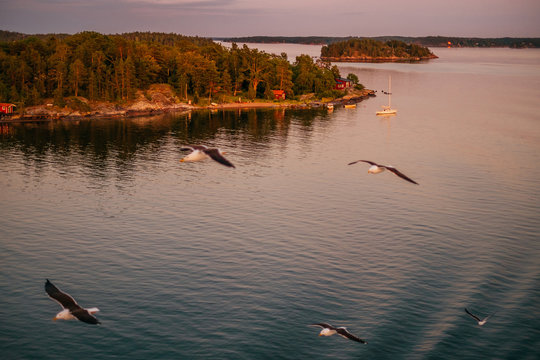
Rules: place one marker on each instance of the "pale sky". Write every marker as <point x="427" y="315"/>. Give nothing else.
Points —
<point x="468" y="18"/>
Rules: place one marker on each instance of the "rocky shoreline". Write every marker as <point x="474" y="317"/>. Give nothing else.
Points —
<point x="160" y="99"/>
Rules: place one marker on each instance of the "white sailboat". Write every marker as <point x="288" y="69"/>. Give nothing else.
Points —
<point x="387" y="109"/>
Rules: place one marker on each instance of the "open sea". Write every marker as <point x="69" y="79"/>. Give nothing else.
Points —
<point x="201" y="261"/>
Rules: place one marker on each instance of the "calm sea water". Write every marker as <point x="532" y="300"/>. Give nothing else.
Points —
<point x="200" y="261"/>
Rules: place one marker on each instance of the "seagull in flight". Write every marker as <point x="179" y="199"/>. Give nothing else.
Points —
<point x="480" y="321"/>
<point x="378" y="168"/>
<point x="72" y="310"/>
<point x="329" y="330"/>
<point x="201" y="152"/>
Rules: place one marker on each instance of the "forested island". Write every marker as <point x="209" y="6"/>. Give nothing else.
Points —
<point x="430" y="41"/>
<point x="136" y="71"/>
<point x="369" y="50"/>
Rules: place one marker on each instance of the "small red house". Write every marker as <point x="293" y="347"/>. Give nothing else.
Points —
<point x="342" y="83"/>
<point x="6" y="108"/>
<point x="279" y="94"/>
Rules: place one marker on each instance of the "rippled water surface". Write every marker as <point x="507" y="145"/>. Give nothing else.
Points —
<point x="200" y="261"/>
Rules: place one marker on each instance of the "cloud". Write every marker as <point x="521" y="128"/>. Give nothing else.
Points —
<point x="277" y="17"/>
<point x="192" y="4"/>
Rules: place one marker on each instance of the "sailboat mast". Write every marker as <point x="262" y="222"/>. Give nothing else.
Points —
<point x="389" y="91"/>
<point x="387" y="110"/>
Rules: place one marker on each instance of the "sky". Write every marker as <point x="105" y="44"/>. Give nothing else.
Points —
<point x="228" y="18"/>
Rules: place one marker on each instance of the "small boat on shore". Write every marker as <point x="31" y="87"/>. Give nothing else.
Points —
<point x="387" y="109"/>
<point x="349" y="106"/>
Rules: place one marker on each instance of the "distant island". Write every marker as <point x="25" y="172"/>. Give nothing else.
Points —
<point x="429" y="41"/>
<point x="369" y="50"/>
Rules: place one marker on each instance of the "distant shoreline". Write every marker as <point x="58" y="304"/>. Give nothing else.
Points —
<point x="428" y="41"/>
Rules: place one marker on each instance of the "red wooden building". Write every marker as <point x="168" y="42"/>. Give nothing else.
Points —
<point x="279" y="94"/>
<point x="6" y="108"/>
<point x="342" y="83"/>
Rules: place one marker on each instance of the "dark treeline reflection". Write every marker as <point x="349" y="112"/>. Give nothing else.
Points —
<point x="100" y="141"/>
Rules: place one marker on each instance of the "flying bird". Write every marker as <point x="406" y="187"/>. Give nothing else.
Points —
<point x="329" y="330"/>
<point x="201" y="152"/>
<point x="480" y="321"/>
<point x="72" y="310"/>
<point x="377" y="168"/>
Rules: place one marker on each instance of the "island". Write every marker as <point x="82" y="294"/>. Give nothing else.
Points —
<point x="369" y="50"/>
<point x="89" y="74"/>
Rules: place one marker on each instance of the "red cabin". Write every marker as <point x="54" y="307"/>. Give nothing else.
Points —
<point x="6" y="108"/>
<point x="279" y="94"/>
<point x="342" y="83"/>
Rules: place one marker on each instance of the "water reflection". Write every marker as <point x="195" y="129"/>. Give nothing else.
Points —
<point x="105" y="205"/>
<point x="101" y="141"/>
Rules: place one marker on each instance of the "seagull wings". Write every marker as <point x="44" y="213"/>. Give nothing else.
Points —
<point x="84" y="316"/>
<point x="343" y="332"/>
<point x="193" y="147"/>
<point x="216" y="155"/>
<point x="366" y="161"/>
<point x="324" y="325"/>
<point x="390" y="168"/>
<point x="398" y="173"/>
<point x="67" y="302"/>
<point x="472" y="315"/>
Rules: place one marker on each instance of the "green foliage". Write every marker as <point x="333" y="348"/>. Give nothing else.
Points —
<point x="251" y="94"/>
<point x="59" y="98"/>
<point x="353" y="78"/>
<point x="369" y="48"/>
<point x="331" y="94"/>
<point x="311" y="77"/>
<point x="114" y="67"/>
<point x="77" y="104"/>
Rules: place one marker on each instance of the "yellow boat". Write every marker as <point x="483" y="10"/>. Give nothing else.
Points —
<point x="350" y="106"/>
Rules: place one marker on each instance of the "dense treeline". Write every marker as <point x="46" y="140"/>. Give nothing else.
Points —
<point x="431" y="41"/>
<point x="114" y="67"/>
<point x="481" y="42"/>
<point x="306" y="40"/>
<point x="359" y="48"/>
<point x="13" y="36"/>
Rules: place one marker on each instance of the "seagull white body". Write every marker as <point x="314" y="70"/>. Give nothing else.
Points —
<point x="201" y="152"/>
<point x="478" y="320"/>
<point x="71" y="310"/>
<point x="329" y="330"/>
<point x="66" y="314"/>
<point x="195" y="155"/>
<point x="374" y="169"/>
<point x="378" y="168"/>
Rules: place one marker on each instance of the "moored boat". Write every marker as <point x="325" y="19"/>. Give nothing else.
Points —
<point x="387" y="109"/>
